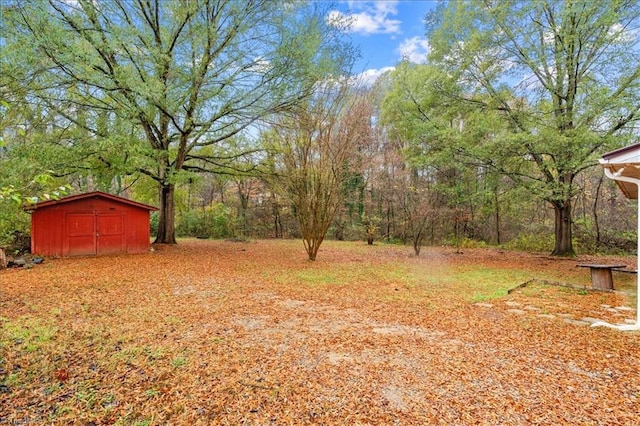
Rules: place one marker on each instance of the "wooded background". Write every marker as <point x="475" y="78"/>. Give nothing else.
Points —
<point x="241" y="119"/>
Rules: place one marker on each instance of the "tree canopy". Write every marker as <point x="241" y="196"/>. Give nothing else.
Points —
<point x="564" y="77"/>
<point x="493" y="138"/>
<point x="185" y="76"/>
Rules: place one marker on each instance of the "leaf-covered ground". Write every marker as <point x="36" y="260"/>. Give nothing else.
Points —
<point x="212" y="332"/>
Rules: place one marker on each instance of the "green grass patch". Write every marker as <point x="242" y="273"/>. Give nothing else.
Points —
<point x="471" y="284"/>
<point x="407" y="279"/>
<point x="178" y="362"/>
<point x="317" y="276"/>
<point x="28" y="333"/>
<point x="488" y="283"/>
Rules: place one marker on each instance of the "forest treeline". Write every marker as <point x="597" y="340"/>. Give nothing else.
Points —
<point x="244" y="120"/>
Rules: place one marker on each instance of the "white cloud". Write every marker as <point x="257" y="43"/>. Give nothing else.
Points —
<point x="260" y="65"/>
<point x="414" y="49"/>
<point x="621" y="34"/>
<point x="369" y="17"/>
<point x="369" y="77"/>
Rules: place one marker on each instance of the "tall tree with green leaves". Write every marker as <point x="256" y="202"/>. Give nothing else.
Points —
<point x="188" y="75"/>
<point x="429" y="131"/>
<point x="563" y="75"/>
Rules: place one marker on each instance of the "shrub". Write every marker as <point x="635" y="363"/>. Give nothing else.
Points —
<point x="154" y="221"/>
<point x="215" y="221"/>
<point x="542" y="242"/>
<point x="12" y="219"/>
<point x="470" y="243"/>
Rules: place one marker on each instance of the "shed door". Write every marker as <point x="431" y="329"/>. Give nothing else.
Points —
<point x="81" y="233"/>
<point x="110" y="233"/>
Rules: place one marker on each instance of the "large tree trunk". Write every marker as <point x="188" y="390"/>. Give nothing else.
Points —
<point x="497" y="205"/>
<point x="166" y="225"/>
<point x="312" y="245"/>
<point x="563" y="234"/>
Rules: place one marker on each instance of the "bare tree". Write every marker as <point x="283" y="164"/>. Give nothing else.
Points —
<point x="413" y="198"/>
<point x="318" y="149"/>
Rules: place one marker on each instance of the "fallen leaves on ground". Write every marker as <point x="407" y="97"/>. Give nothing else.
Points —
<point x="212" y="332"/>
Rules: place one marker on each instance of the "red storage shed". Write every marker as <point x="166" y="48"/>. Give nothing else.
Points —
<point x="94" y="223"/>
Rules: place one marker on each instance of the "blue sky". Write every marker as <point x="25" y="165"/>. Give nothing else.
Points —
<point x="385" y="32"/>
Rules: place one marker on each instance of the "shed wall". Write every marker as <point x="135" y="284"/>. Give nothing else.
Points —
<point x="90" y="226"/>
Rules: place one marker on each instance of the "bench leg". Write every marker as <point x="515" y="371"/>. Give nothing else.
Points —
<point x="601" y="279"/>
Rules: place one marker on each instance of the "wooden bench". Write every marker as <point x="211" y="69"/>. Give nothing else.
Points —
<point x="626" y="271"/>
<point x="601" y="276"/>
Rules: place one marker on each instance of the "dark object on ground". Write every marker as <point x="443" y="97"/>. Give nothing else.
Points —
<point x="17" y="262"/>
<point x="24" y="262"/>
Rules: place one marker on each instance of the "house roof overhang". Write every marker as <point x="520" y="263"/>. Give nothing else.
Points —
<point x="624" y="167"/>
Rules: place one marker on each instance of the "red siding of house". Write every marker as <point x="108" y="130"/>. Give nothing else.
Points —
<point x="89" y="224"/>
